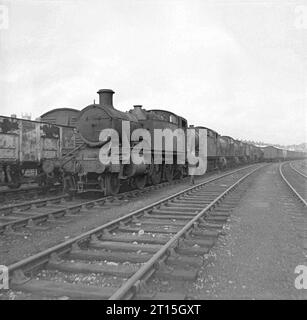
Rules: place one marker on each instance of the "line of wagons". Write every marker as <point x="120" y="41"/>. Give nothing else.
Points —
<point x="63" y="147"/>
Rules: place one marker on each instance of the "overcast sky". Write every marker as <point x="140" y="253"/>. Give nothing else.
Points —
<point x="238" y="67"/>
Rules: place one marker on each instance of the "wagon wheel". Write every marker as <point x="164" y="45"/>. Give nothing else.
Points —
<point x="156" y="174"/>
<point x="44" y="180"/>
<point x="13" y="185"/>
<point x="15" y="182"/>
<point x="169" y="172"/>
<point x="140" y="181"/>
<point x="222" y="163"/>
<point x="179" y="172"/>
<point x="68" y="183"/>
<point x="112" y="183"/>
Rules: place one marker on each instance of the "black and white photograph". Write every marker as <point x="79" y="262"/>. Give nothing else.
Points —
<point x="153" y="151"/>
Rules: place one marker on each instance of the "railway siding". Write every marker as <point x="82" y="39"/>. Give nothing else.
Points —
<point x="264" y="241"/>
<point x="27" y="241"/>
<point x="102" y="239"/>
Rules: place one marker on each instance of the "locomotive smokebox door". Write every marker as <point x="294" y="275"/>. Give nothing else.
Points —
<point x="92" y="120"/>
<point x="96" y="117"/>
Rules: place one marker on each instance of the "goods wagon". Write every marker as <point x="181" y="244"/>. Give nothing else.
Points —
<point x="61" y="116"/>
<point x="247" y="151"/>
<point x="231" y="149"/>
<point x="230" y="144"/>
<point x="237" y="151"/>
<point x="293" y="155"/>
<point x="222" y="150"/>
<point x="243" y="154"/>
<point x="271" y="153"/>
<point x="256" y="154"/>
<point x="212" y="148"/>
<point x="32" y="146"/>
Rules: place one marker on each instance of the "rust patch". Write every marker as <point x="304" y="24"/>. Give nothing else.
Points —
<point x="50" y="131"/>
<point x="8" y="125"/>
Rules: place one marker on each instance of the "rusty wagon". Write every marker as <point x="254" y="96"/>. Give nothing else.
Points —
<point x="31" y="151"/>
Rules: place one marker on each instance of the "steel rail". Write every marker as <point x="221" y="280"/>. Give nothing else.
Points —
<point x="26" y="194"/>
<point x="299" y="172"/>
<point x="20" y="189"/>
<point x="148" y="266"/>
<point x="290" y="186"/>
<point x="26" y="189"/>
<point x="84" y="205"/>
<point x="43" y="257"/>
<point x="32" y="202"/>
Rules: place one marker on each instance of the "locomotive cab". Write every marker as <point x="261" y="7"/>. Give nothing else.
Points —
<point x="152" y="120"/>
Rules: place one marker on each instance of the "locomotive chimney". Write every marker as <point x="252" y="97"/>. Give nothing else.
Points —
<point x="106" y="97"/>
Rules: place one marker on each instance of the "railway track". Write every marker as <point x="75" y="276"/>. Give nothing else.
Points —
<point x="39" y="214"/>
<point x="27" y="192"/>
<point x="296" y="181"/>
<point x="294" y="167"/>
<point x="164" y="240"/>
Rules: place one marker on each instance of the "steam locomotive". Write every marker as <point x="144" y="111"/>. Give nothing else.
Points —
<point x="86" y="169"/>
